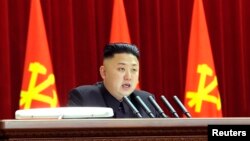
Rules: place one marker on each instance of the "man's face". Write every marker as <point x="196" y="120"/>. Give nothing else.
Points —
<point x="120" y="74"/>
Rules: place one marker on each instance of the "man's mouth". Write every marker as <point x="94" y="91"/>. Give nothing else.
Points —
<point x="126" y="85"/>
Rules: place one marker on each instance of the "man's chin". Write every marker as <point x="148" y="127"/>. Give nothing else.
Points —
<point x="126" y="93"/>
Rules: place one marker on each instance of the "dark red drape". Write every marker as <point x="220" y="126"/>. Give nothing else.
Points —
<point x="77" y="31"/>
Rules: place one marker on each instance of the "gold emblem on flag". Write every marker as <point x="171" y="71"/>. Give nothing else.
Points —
<point x="34" y="91"/>
<point x="203" y="92"/>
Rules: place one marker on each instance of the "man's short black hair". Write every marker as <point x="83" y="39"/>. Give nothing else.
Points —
<point x="114" y="48"/>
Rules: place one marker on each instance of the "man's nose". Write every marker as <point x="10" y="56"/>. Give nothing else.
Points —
<point x="127" y="75"/>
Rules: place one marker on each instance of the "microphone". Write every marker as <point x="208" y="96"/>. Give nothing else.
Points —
<point x="165" y="101"/>
<point x="156" y="106"/>
<point x="184" y="110"/>
<point x="144" y="106"/>
<point x="132" y="107"/>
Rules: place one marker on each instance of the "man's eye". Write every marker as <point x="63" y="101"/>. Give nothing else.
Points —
<point x="121" y="69"/>
<point x="134" y="70"/>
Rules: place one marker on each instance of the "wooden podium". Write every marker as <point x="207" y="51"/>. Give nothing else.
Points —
<point x="157" y="129"/>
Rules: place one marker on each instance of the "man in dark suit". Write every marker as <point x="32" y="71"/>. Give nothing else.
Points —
<point x="120" y="74"/>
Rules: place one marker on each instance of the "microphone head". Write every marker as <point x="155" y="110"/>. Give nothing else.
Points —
<point x="183" y="108"/>
<point x="169" y="106"/>
<point x="144" y="106"/>
<point x="156" y="106"/>
<point x="132" y="107"/>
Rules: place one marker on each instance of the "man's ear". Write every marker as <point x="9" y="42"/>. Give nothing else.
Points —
<point x="102" y="71"/>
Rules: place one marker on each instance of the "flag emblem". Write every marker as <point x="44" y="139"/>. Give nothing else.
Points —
<point x="204" y="92"/>
<point x="34" y="92"/>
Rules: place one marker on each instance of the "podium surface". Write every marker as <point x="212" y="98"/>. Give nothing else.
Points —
<point x="113" y="129"/>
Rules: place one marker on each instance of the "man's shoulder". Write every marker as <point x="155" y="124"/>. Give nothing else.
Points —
<point x="86" y="95"/>
<point x="88" y="87"/>
<point x="142" y="93"/>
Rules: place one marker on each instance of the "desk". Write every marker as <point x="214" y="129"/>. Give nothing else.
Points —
<point x="153" y="129"/>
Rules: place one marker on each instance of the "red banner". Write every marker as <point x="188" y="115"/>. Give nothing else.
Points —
<point x="38" y="86"/>
<point x="119" y="26"/>
<point x="202" y="97"/>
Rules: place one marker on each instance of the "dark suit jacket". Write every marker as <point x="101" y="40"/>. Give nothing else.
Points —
<point x="98" y="96"/>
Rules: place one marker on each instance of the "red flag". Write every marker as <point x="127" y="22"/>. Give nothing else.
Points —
<point x="202" y="97"/>
<point x="38" y="86"/>
<point x="119" y="25"/>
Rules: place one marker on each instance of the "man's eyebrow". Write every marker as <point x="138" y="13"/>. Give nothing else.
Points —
<point x="134" y="64"/>
<point x="121" y="63"/>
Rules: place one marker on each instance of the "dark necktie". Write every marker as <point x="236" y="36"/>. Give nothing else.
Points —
<point x="120" y="113"/>
<point x="121" y="108"/>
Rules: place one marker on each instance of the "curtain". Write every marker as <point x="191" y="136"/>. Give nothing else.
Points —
<point x="77" y="31"/>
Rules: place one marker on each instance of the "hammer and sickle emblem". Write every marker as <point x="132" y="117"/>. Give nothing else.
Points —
<point x="204" y="92"/>
<point x="34" y="91"/>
